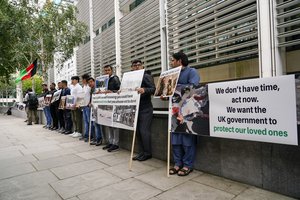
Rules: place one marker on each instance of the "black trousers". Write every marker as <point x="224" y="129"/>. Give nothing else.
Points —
<point x="61" y="120"/>
<point x="53" y="111"/>
<point x="144" y="130"/>
<point x="68" y="120"/>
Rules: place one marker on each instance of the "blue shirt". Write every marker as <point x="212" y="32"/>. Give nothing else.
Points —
<point x="188" y="76"/>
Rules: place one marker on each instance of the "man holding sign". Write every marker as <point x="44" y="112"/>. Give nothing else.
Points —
<point x="145" y="113"/>
<point x="184" y="145"/>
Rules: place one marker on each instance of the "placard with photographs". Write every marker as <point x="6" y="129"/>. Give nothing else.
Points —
<point x="47" y="99"/>
<point x="102" y="82"/>
<point x="80" y="100"/>
<point x="62" y="103"/>
<point x="70" y="102"/>
<point x="167" y="82"/>
<point x="56" y="96"/>
<point x="41" y="102"/>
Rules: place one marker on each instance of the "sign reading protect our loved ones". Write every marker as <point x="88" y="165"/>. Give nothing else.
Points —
<point x="257" y="109"/>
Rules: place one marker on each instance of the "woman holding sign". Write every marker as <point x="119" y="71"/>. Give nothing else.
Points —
<point x="183" y="145"/>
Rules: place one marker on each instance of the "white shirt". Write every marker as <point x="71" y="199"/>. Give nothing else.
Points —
<point x="87" y="94"/>
<point x="75" y="90"/>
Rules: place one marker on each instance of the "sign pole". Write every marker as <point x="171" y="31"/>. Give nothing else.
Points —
<point x="90" y="125"/>
<point x="169" y="136"/>
<point x="132" y="150"/>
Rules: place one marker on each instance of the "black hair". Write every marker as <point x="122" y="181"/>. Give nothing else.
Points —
<point x="44" y="84"/>
<point x="108" y="66"/>
<point x="53" y="84"/>
<point x="85" y="77"/>
<point x="136" y="61"/>
<point x="75" y="78"/>
<point x="29" y="90"/>
<point x="64" y="82"/>
<point x="91" y="78"/>
<point x="183" y="57"/>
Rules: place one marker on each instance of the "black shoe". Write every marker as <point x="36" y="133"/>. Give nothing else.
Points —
<point x="99" y="143"/>
<point x="144" y="157"/>
<point x="107" y="146"/>
<point x="113" y="148"/>
<point x="138" y="156"/>
<point x="29" y="123"/>
<point x="93" y="143"/>
<point x="67" y="132"/>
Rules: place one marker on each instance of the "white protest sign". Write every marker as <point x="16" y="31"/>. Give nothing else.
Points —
<point x="257" y="110"/>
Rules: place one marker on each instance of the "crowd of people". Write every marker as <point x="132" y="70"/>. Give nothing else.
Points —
<point x="70" y="121"/>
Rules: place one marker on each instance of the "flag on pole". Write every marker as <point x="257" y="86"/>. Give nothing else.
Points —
<point x="27" y="72"/>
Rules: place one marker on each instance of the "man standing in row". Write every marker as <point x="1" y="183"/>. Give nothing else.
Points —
<point x="66" y="112"/>
<point x="145" y="113"/>
<point x="53" y="108"/>
<point x="113" y="133"/>
<point x="86" y="109"/>
<point x="76" y="113"/>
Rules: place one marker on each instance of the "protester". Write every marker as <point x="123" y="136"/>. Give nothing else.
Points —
<point x="95" y="127"/>
<point x="66" y="112"/>
<point x="26" y="107"/>
<point x="60" y="113"/>
<point x="113" y="133"/>
<point x="76" y="112"/>
<point x="145" y="113"/>
<point x="32" y="104"/>
<point x="47" y="107"/>
<point x="184" y="145"/>
<point x="53" y="108"/>
<point x="86" y="110"/>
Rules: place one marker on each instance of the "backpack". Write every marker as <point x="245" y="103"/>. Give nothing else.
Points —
<point x="32" y="101"/>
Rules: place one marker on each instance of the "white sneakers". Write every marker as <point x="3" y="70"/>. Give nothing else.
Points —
<point x="76" y="135"/>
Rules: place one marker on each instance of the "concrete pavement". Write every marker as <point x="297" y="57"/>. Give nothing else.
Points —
<point x="38" y="164"/>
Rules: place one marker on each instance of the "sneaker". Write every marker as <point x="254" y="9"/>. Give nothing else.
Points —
<point x="76" y="135"/>
<point x="107" y="146"/>
<point x="71" y="135"/>
<point x="61" y="130"/>
<point x="113" y="148"/>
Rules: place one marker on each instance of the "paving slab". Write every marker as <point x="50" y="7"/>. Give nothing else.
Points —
<point x="78" y="168"/>
<point x="158" y="178"/>
<point x="94" y="153"/>
<point x="115" y="159"/>
<point x="36" y="193"/>
<point x="194" y="191"/>
<point x="254" y="193"/>
<point x="16" y="161"/>
<point x="16" y="170"/>
<point x="27" y="181"/>
<point x="56" y="162"/>
<point x="130" y="189"/>
<point x="123" y="172"/>
<point x="55" y="153"/>
<point x="74" y="186"/>
<point x="221" y="183"/>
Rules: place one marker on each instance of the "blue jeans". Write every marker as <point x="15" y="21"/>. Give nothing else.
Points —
<point x="86" y="120"/>
<point x="48" y="115"/>
<point x="184" y="156"/>
<point x="97" y="128"/>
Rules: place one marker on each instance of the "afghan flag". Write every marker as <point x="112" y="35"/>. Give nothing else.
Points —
<point x="27" y="72"/>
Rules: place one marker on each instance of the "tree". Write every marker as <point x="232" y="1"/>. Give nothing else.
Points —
<point x="28" y="32"/>
<point x="38" y="81"/>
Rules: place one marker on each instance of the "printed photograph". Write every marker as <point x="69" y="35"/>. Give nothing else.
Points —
<point x="70" y="102"/>
<point x="104" y="115"/>
<point x="80" y="100"/>
<point x="62" y="103"/>
<point x="47" y="99"/>
<point x="124" y="116"/>
<point x="41" y="102"/>
<point x="102" y="82"/>
<point x="166" y="86"/>
<point x="190" y="110"/>
<point x="56" y="96"/>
